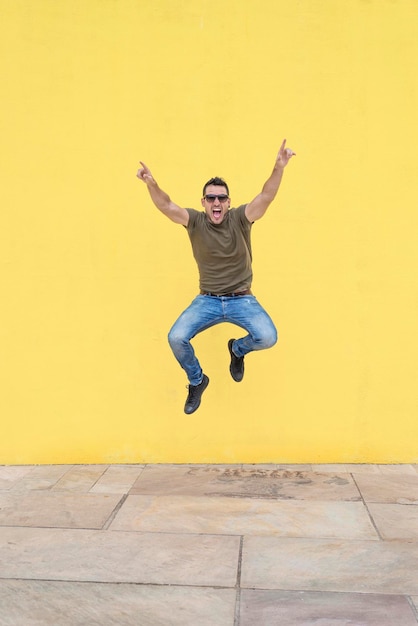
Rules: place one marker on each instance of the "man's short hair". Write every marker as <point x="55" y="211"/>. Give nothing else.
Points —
<point x="216" y="181"/>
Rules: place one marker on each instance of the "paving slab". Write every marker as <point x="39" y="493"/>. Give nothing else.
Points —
<point x="172" y="550"/>
<point x="58" y="510"/>
<point x="10" y="475"/>
<point x="395" y="521"/>
<point x="80" y="478"/>
<point x="103" y="556"/>
<point x="48" y="603"/>
<point x="237" y="482"/>
<point x="117" y="479"/>
<point x="41" y="477"/>
<point x="395" y="489"/>
<point x="399" y="469"/>
<point x="361" y="468"/>
<point x="244" y="516"/>
<point x="326" y="565"/>
<point x="301" y="467"/>
<point x="327" y="468"/>
<point x="281" y="608"/>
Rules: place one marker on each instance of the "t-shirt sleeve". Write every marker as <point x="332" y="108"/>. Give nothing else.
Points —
<point x="193" y="215"/>
<point x="242" y="217"/>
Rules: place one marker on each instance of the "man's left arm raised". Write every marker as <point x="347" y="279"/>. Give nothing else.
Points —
<point x="257" y="207"/>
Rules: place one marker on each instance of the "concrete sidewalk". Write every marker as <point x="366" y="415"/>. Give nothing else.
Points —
<point x="209" y="545"/>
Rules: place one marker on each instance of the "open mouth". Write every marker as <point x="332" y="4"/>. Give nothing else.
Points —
<point x="217" y="213"/>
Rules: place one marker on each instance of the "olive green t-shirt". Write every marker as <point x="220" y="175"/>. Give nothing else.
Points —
<point x="222" y="251"/>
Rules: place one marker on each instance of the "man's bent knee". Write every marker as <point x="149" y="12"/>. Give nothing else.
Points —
<point x="176" y="339"/>
<point x="268" y="340"/>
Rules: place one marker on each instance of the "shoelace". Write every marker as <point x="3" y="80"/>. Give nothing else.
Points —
<point x="192" y="389"/>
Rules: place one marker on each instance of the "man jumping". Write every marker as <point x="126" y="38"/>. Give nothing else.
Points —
<point x="221" y="243"/>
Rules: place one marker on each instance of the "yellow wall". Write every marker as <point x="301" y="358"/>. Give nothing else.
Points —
<point x="92" y="276"/>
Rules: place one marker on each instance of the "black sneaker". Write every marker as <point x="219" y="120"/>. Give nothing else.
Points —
<point x="237" y="364"/>
<point x="195" y="395"/>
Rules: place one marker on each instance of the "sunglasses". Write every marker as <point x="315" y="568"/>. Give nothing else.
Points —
<point x="212" y="197"/>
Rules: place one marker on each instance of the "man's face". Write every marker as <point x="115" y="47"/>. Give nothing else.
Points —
<point x="216" y="203"/>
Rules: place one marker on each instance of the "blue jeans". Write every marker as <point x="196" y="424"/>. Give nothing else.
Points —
<point x="206" y="311"/>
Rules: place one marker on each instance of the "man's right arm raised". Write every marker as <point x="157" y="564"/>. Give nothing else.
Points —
<point x="161" y="199"/>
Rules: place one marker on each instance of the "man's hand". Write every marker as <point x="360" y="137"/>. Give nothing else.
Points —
<point x="144" y="174"/>
<point x="284" y="155"/>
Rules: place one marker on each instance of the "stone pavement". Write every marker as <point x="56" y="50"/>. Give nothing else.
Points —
<point x="209" y="545"/>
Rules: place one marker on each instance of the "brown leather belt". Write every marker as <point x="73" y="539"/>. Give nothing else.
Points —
<point x="246" y="292"/>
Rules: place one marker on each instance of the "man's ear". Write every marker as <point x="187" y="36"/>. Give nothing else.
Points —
<point x="203" y="202"/>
